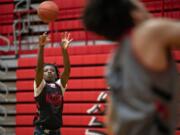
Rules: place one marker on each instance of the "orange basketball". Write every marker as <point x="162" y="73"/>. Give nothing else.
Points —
<point x="48" y="11"/>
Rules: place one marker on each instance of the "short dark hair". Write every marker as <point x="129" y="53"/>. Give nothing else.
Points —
<point x="109" y="18"/>
<point x="55" y="67"/>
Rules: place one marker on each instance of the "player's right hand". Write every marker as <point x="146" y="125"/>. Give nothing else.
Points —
<point x="43" y="39"/>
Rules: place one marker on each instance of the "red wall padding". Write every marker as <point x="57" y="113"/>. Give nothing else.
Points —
<point x="72" y="84"/>
<point x="78" y="56"/>
<point x="69" y="108"/>
<point x="83" y="94"/>
<point x="6" y="18"/>
<point x="6" y="8"/>
<point x="81" y="50"/>
<point x="63" y="4"/>
<point x="6" y="29"/>
<point x="97" y="71"/>
<point x="73" y="96"/>
<point x="158" y="5"/>
<point x="70" y="13"/>
<point x="74" y="60"/>
<point x="2" y="1"/>
<point x="69" y="120"/>
<point x="64" y="131"/>
<point x="79" y="35"/>
<point x="67" y="25"/>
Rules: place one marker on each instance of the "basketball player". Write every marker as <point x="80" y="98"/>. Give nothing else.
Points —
<point x="49" y="88"/>
<point x="141" y="73"/>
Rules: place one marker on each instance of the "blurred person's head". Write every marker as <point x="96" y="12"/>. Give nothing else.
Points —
<point x="112" y="18"/>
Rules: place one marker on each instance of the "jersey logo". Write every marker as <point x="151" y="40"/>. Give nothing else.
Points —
<point x="54" y="98"/>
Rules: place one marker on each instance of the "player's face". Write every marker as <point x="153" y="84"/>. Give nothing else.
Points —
<point x="50" y="73"/>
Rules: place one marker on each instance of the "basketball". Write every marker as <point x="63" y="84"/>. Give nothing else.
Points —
<point x="48" y="11"/>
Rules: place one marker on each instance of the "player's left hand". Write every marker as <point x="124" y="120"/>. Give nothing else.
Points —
<point x="66" y="40"/>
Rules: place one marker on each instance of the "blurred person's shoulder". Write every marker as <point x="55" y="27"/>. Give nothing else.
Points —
<point x="153" y="26"/>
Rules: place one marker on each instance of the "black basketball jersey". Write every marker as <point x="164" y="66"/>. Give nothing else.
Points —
<point x="50" y="106"/>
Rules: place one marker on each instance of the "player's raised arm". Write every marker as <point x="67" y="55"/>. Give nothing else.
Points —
<point x="66" y="40"/>
<point x="40" y="59"/>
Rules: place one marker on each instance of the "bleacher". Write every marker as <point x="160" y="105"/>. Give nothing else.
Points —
<point x="85" y="98"/>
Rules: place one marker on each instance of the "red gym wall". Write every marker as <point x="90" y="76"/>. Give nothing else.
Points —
<point x="87" y="90"/>
<point x="87" y="93"/>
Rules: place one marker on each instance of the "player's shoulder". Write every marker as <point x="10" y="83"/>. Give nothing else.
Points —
<point x="155" y="24"/>
<point x="152" y="29"/>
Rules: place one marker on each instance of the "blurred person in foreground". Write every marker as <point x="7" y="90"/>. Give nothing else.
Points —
<point x="141" y="72"/>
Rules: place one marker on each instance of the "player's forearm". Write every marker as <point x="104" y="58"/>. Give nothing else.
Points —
<point x="40" y="64"/>
<point x="66" y="60"/>
<point x="40" y="60"/>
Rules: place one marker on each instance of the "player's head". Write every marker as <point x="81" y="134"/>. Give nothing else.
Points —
<point x="51" y="73"/>
<point x="111" y="18"/>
